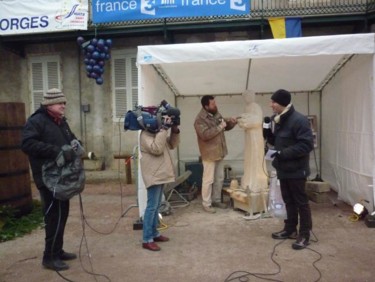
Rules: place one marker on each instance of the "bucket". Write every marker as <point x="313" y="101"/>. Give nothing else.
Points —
<point x="15" y="185"/>
<point x="276" y="205"/>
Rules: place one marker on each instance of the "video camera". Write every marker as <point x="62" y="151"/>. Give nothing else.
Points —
<point x="151" y="118"/>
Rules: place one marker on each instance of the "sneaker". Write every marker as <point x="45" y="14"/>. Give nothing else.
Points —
<point x="209" y="209"/>
<point x="283" y="234"/>
<point x="301" y="243"/>
<point x="219" y="205"/>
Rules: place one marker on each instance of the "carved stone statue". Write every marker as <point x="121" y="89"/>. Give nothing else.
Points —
<point x="253" y="193"/>
<point x="254" y="178"/>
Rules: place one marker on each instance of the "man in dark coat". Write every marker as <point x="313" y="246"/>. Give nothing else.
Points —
<point x="43" y="136"/>
<point x="293" y="141"/>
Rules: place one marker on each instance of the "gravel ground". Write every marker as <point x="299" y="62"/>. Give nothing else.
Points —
<point x="203" y="247"/>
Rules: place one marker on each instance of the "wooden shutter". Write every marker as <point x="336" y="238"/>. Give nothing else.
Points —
<point x="45" y="74"/>
<point x="125" y="81"/>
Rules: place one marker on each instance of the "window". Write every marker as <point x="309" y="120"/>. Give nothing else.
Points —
<point x="44" y="75"/>
<point x="125" y="83"/>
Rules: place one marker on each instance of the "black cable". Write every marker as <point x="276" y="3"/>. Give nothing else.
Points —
<point x="244" y="275"/>
<point x="54" y="240"/>
<point x="122" y="214"/>
<point x="258" y="275"/>
<point x="84" y="239"/>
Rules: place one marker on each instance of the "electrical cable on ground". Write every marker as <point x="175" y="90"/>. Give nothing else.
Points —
<point x="243" y="276"/>
<point x="84" y="240"/>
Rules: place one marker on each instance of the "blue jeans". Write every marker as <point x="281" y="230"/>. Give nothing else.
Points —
<point x="151" y="216"/>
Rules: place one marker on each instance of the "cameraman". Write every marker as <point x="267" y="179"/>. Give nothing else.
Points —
<point x="157" y="169"/>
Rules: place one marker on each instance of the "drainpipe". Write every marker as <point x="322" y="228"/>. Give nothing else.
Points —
<point x="79" y="93"/>
<point x="262" y="23"/>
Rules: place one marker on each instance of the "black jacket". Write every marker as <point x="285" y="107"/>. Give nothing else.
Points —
<point x="42" y="140"/>
<point x="293" y="137"/>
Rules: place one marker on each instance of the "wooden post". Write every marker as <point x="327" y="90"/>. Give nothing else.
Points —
<point x="128" y="169"/>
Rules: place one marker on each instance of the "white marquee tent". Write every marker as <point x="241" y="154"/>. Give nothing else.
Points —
<point x="331" y="77"/>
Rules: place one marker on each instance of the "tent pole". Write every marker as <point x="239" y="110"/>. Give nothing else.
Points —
<point x="248" y="75"/>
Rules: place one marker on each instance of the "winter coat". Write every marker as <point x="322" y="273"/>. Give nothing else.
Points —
<point x="294" y="140"/>
<point x="211" y="138"/>
<point x="42" y="140"/>
<point x="156" y="161"/>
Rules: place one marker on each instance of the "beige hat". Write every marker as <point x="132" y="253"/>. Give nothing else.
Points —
<point x="53" y="96"/>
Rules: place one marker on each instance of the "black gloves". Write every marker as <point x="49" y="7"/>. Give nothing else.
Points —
<point x="69" y="155"/>
<point x="276" y="154"/>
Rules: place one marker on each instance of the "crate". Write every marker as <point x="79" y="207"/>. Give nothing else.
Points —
<point x="318" y="197"/>
<point x="317" y="186"/>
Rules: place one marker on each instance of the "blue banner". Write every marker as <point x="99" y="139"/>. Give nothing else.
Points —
<point x="106" y="11"/>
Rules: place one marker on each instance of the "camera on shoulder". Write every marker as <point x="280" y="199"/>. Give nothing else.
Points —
<point x="152" y="118"/>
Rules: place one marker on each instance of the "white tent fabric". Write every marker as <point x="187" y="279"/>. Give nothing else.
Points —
<point x="339" y="67"/>
<point x="297" y="64"/>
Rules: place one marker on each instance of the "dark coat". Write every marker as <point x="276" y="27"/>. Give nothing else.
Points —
<point x="293" y="138"/>
<point x="42" y="140"/>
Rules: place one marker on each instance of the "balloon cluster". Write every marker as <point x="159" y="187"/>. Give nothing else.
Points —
<point x="96" y="52"/>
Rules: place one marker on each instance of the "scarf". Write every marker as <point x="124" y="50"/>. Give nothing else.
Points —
<point x="57" y="118"/>
<point x="278" y="117"/>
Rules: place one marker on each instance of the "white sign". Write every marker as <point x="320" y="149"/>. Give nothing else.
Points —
<point x="37" y="16"/>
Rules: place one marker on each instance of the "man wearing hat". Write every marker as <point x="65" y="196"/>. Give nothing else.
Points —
<point x="293" y="141"/>
<point x="44" y="133"/>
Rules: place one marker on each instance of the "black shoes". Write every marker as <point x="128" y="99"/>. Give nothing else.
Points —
<point x="67" y="256"/>
<point x="283" y="234"/>
<point x="54" y="264"/>
<point x="301" y="243"/>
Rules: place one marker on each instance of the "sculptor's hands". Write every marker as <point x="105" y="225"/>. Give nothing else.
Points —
<point x="233" y="120"/>
<point x="223" y="124"/>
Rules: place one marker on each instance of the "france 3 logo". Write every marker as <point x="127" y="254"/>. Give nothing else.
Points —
<point x="148" y="7"/>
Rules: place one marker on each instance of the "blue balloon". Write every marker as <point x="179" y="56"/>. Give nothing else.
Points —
<point x="101" y="44"/>
<point x="96" y="69"/>
<point x="94" y="41"/>
<point x="89" y="68"/>
<point x="92" y="62"/>
<point x="102" y="55"/>
<point x="101" y="63"/>
<point x="80" y="40"/>
<point x="86" y="61"/>
<point x="95" y="55"/>
<point x="99" y="80"/>
<point x="108" y="42"/>
<point x="90" y="48"/>
<point x="94" y="75"/>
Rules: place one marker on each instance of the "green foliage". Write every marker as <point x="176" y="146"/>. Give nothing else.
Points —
<point x="12" y="227"/>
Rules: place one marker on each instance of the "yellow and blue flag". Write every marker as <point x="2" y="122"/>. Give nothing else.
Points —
<point x="285" y="27"/>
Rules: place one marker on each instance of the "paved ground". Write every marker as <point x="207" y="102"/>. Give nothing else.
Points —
<point x="203" y="247"/>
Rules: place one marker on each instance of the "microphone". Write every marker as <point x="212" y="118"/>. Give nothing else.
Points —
<point x="267" y="127"/>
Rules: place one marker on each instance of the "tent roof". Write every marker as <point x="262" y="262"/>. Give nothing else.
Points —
<point x="296" y="64"/>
